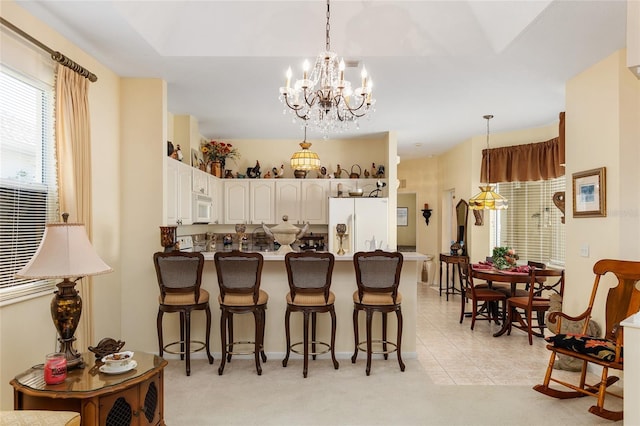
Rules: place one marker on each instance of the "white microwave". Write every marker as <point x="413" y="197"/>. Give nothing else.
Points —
<point x="202" y="208"/>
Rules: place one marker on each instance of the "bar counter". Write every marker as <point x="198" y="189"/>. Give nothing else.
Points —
<point x="274" y="282"/>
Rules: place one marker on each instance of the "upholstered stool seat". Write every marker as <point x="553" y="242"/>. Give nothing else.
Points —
<point x="309" y="275"/>
<point x="39" y="418"/>
<point x="239" y="274"/>
<point x="180" y="278"/>
<point x="377" y="278"/>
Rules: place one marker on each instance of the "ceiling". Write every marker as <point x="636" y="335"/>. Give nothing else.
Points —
<point x="438" y="66"/>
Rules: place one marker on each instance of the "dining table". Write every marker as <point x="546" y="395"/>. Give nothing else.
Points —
<point x="490" y="274"/>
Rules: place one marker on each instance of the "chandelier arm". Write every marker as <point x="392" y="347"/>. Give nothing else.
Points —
<point x="353" y="111"/>
<point x="293" y="107"/>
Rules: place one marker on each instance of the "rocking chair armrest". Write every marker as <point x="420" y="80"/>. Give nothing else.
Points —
<point x="553" y="316"/>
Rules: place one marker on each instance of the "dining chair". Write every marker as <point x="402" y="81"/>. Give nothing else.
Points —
<point x="607" y="353"/>
<point x="542" y="283"/>
<point x="484" y="300"/>
<point x="377" y="278"/>
<point x="309" y="275"/>
<point x="239" y="274"/>
<point x="179" y="277"/>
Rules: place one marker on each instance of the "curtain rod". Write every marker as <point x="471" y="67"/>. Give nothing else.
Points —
<point x="55" y="55"/>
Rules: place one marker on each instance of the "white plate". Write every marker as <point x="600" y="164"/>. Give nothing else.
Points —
<point x="130" y="366"/>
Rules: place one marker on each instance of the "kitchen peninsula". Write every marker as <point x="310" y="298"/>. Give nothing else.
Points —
<point x="274" y="282"/>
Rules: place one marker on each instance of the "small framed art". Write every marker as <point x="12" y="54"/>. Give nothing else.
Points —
<point x="590" y="193"/>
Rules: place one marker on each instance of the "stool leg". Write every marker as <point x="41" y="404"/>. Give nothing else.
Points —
<point x="384" y="335"/>
<point x="256" y="352"/>
<point x="332" y="312"/>
<point x="399" y="339"/>
<point x="287" y="333"/>
<point x="313" y="335"/>
<point x="369" y="349"/>
<point x="263" y="311"/>
<point x="223" y="340"/>
<point x="207" y="338"/>
<point x="305" y="342"/>
<point x="159" y="326"/>
<point x="182" y="335"/>
<point x="355" y="334"/>
<point x="230" y="325"/>
<point x="187" y="340"/>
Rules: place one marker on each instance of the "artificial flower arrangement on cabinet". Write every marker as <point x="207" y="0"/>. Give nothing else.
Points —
<point x="216" y="153"/>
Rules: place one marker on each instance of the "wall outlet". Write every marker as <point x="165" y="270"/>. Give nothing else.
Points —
<point x="584" y="250"/>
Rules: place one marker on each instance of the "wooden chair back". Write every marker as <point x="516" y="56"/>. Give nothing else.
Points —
<point x="545" y="283"/>
<point x="309" y="272"/>
<point x="179" y="272"/>
<point x="239" y="272"/>
<point x="378" y="272"/>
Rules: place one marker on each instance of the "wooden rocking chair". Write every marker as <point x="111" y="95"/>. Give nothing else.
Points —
<point x="622" y="302"/>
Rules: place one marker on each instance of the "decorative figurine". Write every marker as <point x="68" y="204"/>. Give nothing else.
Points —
<point x="281" y="172"/>
<point x="179" y="155"/>
<point x="254" y="172"/>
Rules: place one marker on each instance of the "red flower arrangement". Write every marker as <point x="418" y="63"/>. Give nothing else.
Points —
<point x="218" y="151"/>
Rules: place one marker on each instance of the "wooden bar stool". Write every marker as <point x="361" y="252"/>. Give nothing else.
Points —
<point x="239" y="275"/>
<point x="309" y="275"/>
<point x="378" y="278"/>
<point x="179" y="277"/>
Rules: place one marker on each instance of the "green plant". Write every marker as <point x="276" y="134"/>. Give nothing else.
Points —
<point x="504" y="257"/>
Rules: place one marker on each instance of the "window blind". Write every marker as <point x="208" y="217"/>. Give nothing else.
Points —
<point x="28" y="185"/>
<point x="532" y="224"/>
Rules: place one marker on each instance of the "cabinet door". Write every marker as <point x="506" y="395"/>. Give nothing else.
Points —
<point x="172" y="193"/>
<point x="288" y="199"/>
<point x="120" y="408"/>
<point x="236" y="201"/>
<point x="151" y="401"/>
<point x="262" y="201"/>
<point x="200" y="181"/>
<point x="315" y="195"/>
<point x="185" y="206"/>
<point x="215" y="192"/>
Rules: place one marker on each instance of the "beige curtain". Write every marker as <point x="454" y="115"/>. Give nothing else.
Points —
<point x="73" y="144"/>
<point x="529" y="162"/>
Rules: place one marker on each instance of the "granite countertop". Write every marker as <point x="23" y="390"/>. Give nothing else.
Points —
<point x="274" y="256"/>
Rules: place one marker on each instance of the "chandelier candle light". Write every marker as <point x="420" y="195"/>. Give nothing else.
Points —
<point x="65" y="252"/>
<point x="487" y="199"/>
<point x="323" y="97"/>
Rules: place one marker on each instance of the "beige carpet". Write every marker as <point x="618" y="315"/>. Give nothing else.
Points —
<point x="348" y="397"/>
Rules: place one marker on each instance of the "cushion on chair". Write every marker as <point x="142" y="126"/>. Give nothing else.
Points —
<point x="369" y="298"/>
<point x="244" y="299"/>
<point x="180" y="299"/>
<point x="311" y="299"/>
<point x="39" y="418"/>
<point x="596" y="347"/>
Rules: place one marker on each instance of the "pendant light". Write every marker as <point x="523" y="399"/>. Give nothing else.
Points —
<point x="304" y="160"/>
<point x="487" y="199"/>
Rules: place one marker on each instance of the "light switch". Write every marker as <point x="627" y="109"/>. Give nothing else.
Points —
<point x="584" y="250"/>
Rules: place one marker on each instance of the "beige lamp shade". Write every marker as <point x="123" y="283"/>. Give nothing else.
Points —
<point x="65" y="252"/>
<point x="305" y="159"/>
<point x="487" y="199"/>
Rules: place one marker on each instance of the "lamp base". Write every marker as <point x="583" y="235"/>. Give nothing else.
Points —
<point x="66" y="308"/>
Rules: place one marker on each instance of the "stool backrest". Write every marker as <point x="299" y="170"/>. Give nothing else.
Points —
<point x="179" y="272"/>
<point x="239" y="272"/>
<point x="378" y="272"/>
<point x="309" y="272"/>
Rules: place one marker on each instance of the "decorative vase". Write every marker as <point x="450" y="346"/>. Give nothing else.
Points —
<point x="216" y="169"/>
<point x="228" y="174"/>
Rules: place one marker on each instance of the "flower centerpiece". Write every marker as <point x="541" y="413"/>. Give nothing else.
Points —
<point x="217" y="151"/>
<point x="504" y="257"/>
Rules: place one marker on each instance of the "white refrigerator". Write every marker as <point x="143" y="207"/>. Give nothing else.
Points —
<point x="367" y="221"/>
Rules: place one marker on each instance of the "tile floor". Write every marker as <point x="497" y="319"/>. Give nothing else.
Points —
<point x="453" y="354"/>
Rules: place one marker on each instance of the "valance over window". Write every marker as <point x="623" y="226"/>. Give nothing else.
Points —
<point x="529" y="162"/>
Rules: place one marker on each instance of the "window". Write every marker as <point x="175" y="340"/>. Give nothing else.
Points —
<point x="532" y="224"/>
<point x="28" y="187"/>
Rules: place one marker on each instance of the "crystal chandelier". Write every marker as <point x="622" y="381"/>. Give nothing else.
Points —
<point x="487" y="199"/>
<point x="323" y="98"/>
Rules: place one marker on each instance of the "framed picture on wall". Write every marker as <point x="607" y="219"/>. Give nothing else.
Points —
<point x="402" y="216"/>
<point x="589" y="193"/>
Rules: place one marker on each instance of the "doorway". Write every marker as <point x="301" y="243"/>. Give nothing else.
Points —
<point x="406" y="224"/>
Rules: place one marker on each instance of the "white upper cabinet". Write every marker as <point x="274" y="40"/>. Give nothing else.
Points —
<point x="200" y="183"/>
<point x="288" y="199"/>
<point x="262" y="201"/>
<point x="179" y="205"/>
<point x="236" y="201"/>
<point x="215" y="192"/>
<point x="313" y="204"/>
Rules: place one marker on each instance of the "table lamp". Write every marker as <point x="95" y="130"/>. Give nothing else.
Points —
<point x="65" y="252"/>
